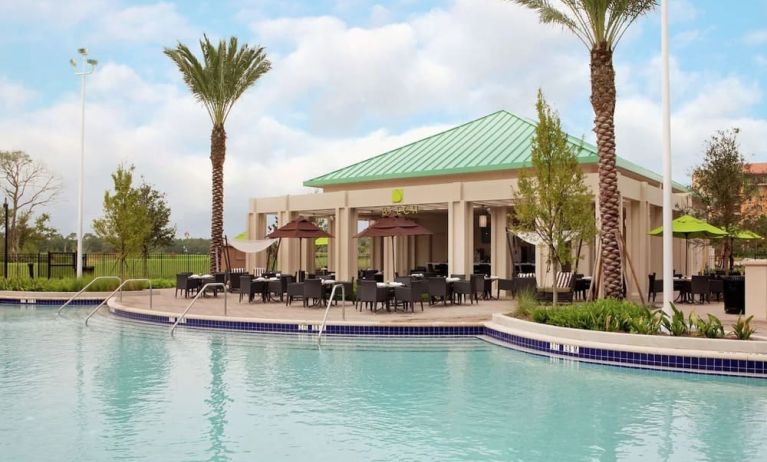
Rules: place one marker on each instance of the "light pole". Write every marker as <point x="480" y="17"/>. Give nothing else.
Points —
<point x="668" y="235"/>
<point x="82" y="68"/>
<point x="5" y="254"/>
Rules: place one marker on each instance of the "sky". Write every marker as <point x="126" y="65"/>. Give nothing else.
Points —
<point x="349" y="79"/>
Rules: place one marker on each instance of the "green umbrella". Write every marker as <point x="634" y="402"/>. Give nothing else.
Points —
<point x="745" y="235"/>
<point x="689" y="227"/>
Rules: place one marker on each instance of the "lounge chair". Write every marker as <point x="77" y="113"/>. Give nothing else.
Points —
<point x="563" y="286"/>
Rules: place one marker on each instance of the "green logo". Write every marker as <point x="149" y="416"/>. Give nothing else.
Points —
<point x="397" y="195"/>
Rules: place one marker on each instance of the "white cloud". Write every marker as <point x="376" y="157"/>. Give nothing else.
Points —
<point x="474" y="54"/>
<point x="55" y="13"/>
<point x="158" y="23"/>
<point x="756" y="37"/>
<point x="339" y="93"/>
<point x="13" y="95"/>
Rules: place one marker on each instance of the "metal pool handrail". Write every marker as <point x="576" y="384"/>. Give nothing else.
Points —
<point x="327" y="310"/>
<point x="119" y="288"/>
<point x="189" y="306"/>
<point x="71" y="299"/>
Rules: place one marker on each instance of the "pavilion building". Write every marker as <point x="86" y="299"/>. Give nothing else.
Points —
<point x="459" y="184"/>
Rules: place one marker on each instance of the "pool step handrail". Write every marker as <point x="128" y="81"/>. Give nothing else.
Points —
<point x="194" y="300"/>
<point x="73" y="297"/>
<point x="120" y="289"/>
<point x="327" y="310"/>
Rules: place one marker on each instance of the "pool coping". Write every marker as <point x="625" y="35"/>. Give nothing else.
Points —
<point x="690" y="355"/>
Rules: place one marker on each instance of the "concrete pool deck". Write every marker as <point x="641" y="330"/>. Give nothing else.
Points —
<point x="164" y="301"/>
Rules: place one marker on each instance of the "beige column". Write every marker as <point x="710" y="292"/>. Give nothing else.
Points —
<point x="288" y="256"/>
<point x="641" y="258"/>
<point x="460" y="237"/>
<point x="256" y="230"/>
<point x="499" y="247"/>
<point x="756" y="289"/>
<point x="346" y="252"/>
<point x="332" y="243"/>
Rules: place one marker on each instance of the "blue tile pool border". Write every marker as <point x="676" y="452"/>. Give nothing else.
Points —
<point x="678" y="363"/>
<point x="48" y="301"/>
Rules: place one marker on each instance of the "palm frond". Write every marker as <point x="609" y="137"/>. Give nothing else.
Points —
<point x="592" y="21"/>
<point x="226" y="70"/>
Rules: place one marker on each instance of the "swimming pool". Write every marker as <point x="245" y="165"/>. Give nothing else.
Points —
<point x="124" y="390"/>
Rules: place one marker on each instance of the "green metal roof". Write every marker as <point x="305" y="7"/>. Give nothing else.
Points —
<point x="499" y="141"/>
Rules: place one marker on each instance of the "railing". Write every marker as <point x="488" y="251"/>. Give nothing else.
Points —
<point x="189" y="306"/>
<point x="83" y="290"/>
<point x="120" y="289"/>
<point x="330" y="302"/>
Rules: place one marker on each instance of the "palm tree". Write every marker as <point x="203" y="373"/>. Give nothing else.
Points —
<point x="600" y="24"/>
<point x="218" y="82"/>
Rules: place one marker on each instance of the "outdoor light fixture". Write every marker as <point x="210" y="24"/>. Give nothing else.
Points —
<point x="88" y="67"/>
<point x="483" y="221"/>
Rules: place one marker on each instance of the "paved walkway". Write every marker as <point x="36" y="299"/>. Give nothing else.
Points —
<point x="165" y="301"/>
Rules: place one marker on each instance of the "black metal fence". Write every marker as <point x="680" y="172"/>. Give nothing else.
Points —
<point x="63" y="265"/>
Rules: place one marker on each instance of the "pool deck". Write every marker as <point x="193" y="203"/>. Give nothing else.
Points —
<point x="164" y="301"/>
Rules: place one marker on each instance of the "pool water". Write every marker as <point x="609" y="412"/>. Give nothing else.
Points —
<point x="122" y="390"/>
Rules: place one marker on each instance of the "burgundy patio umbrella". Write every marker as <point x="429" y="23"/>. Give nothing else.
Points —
<point x="393" y="226"/>
<point x="299" y="228"/>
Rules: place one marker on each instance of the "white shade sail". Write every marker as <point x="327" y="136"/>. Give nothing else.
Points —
<point x="534" y="239"/>
<point x="254" y="246"/>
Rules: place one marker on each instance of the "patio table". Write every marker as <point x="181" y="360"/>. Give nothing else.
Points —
<point x="201" y="280"/>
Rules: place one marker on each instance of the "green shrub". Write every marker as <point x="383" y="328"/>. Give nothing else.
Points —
<point x="609" y="315"/>
<point x="526" y="304"/>
<point x="74" y="285"/>
<point x="711" y="327"/>
<point x="742" y="328"/>
<point x="649" y="325"/>
<point x="677" y="325"/>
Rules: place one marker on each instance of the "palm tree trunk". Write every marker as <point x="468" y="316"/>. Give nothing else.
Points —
<point x="217" y="156"/>
<point x="603" y="103"/>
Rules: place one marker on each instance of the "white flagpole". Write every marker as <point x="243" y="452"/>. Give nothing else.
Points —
<point x="668" y="249"/>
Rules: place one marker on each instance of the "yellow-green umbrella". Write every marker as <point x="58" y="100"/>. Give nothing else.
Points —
<point x="689" y="227"/>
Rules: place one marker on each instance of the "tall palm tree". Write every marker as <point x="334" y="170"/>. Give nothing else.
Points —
<point x="218" y="82"/>
<point x="600" y="24"/>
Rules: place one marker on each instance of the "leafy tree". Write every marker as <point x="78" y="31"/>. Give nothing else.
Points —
<point x="136" y="219"/>
<point x="553" y="201"/>
<point x="600" y="24"/>
<point x="161" y="233"/>
<point x="38" y="237"/>
<point x="722" y="187"/>
<point x="225" y="73"/>
<point x="125" y="223"/>
<point x="28" y="185"/>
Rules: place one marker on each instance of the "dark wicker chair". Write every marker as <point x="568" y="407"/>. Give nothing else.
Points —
<point x="184" y="285"/>
<point x="437" y="288"/>
<point x="716" y="287"/>
<point x="369" y="294"/>
<point x="247" y="288"/>
<point x="655" y="286"/>
<point x="408" y="296"/>
<point x="295" y="291"/>
<point x="313" y="291"/>
<point x="699" y="286"/>
<point x="406" y="280"/>
<point x="470" y="288"/>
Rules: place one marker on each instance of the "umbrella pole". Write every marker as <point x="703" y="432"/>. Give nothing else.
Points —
<point x="300" y="257"/>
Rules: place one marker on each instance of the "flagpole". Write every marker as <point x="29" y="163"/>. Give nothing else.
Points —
<point x="668" y="235"/>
